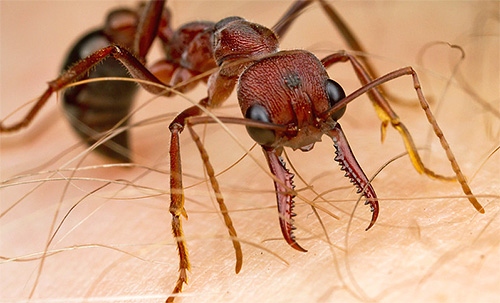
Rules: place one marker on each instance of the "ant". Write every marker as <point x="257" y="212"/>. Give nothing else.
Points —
<point x="286" y="97"/>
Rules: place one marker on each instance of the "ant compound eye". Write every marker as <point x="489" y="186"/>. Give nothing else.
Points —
<point x="260" y="135"/>
<point x="334" y="91"/>
<point x="335" y="94"/>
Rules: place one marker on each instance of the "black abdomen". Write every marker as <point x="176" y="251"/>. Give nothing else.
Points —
<point x="95" y="108"/>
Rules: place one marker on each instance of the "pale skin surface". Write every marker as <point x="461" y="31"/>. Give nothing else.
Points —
<point x="422" y="249"/>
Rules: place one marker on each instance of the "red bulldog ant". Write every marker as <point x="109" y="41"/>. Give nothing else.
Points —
<point x="286" y="97"/>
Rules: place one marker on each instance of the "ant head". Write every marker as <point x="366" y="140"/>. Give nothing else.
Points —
<point x="292" y="89"/>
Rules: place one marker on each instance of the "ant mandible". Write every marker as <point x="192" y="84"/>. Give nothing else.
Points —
<point x="286" y="97"/>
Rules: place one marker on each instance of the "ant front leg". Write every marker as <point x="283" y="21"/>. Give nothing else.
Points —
<point x="387" y="115"/>
<point x="177" y="193"/>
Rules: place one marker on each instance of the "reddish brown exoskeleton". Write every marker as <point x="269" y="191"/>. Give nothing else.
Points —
<point x="286" y="97"/>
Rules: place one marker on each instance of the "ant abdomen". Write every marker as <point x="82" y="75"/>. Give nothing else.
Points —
<point x="94" y="108"/>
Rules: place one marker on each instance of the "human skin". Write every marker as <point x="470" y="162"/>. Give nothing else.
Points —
<point x="428" y="245"/>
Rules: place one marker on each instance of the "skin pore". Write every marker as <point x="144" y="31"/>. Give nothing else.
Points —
<point x="429" y="243"/>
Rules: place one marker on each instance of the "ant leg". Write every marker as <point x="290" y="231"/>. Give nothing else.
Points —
<point x="147" y="28"/>
<point x="387" y="115"/>
<point x="349" y="37"/>
<point x="355" y="45"/>
<point x="147" y="31"/>
<point x="135" y="67"/>
<point x="177" y="193"/>
<point x="219" y="198"/>
<point x="30" y="115"/>
<point x="281" y="27"/>
<point x="284" y="23"/>
<point x="385" y="112"/>
<point x="177" y="209"/>
<point x="283" y="178"/>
